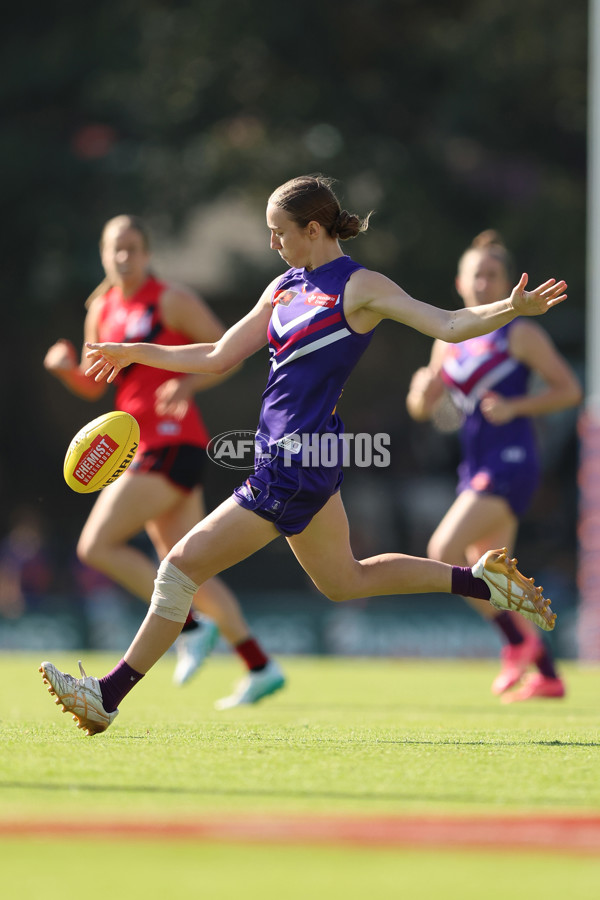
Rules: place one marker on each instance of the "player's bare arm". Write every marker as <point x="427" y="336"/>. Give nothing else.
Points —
<point x="533" y="346"/>
<point x="184" y="311"/>
<point x="426" y="386"/>
<point x="237" y="344"/>
<point x="371" y="297"/>
<point x="62" y="361"/>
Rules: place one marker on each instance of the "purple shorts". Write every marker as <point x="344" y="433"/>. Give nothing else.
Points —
<point x="515" y="481"/>
<point x="288" y="496"/>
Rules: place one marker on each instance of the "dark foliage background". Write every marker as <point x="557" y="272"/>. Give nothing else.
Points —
<point x="445" y="117"/>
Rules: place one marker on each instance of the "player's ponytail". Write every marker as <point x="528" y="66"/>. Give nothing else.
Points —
<point x="310" y="198"/>
<point x="348" y="225"/>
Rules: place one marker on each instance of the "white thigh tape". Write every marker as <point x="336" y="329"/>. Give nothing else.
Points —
<point x="173" y="593"/>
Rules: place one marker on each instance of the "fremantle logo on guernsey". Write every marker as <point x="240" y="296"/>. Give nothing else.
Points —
<point x="91" y="461"/>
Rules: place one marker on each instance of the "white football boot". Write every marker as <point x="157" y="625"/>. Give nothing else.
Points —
<point x="255" y="686"/>
<point x="80" y="696"/>
<point x="192" y="648"/>
<point x="511" y="590"/>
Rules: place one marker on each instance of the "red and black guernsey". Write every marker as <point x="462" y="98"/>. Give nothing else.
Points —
<point x="138" y="318"/>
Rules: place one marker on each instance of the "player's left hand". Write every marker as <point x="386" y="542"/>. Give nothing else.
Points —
<point x="172" y="398"/>
<point x="496" y="409"/>
<point x="538" y="301"/>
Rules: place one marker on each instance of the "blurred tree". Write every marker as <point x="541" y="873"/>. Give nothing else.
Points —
<point x="445" y="117"/>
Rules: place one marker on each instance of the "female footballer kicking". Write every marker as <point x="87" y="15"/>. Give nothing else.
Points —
<point x="315" y="336"/>
<point x="161" y="492"/>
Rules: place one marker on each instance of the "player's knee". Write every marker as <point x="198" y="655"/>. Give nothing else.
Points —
<point x="438" y="549"/>
<point x="433" y="549"/>
<point x="87" y="552"/>
<point x="336" y="591"/>
<point x="339" y="596"/>
<point x="173" y="593"/>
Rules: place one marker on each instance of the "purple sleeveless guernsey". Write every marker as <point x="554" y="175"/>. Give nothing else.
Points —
<point x="313" y="351"/>
<point x="496" y="459"/>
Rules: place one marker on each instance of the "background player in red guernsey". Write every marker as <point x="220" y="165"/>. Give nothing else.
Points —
<point x="162" y="490"/>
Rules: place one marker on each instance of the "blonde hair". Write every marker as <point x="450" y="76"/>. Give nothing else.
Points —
<point x="310" y="198"/>
<point x="491" y="242"/>
<point x="127" y="222"/>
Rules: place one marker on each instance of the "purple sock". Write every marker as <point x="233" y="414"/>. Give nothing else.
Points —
<point x="465" y="584"/>
<point x="545" y="664"/>
<point x="117" y="685"/>
<point x="505" y="622"/>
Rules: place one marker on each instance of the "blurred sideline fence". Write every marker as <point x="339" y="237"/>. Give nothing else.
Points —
<point x="49" y="603"/>
<point x="287" y="623"/>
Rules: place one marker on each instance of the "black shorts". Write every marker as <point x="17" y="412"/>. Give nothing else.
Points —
<point x="183" y="464"/>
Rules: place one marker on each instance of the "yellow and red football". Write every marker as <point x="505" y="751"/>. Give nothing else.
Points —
<point x="101" y="451"/>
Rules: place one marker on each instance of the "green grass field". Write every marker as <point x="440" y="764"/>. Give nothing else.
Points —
<point x="345" y="739"/>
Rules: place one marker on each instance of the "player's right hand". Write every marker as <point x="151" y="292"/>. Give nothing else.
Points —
<point x="107" y="360"/>
<point x="61" y="357"/>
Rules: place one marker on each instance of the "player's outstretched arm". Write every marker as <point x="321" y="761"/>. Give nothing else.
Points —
<point x="476" y="320"/>
<point x="237" y="344"/>
<point x="373" y="297"/>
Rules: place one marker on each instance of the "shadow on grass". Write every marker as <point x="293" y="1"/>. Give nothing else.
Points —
<point x="260" y="793"/>
<point x="154" y="790"/>
<point x="197" y="791"/>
